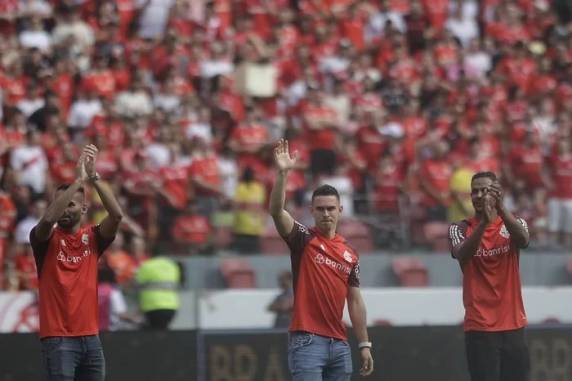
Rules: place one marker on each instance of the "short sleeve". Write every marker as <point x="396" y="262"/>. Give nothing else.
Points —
<point x="525" y="225"/>
<point x="456" y="234"/>
<point x="101" y="242"/>
<point x="353" y="280"/>
<point x="40" y="249"/>
<point x="297" y="239"/>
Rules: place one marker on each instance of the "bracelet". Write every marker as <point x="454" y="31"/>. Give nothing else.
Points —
<point x="364" y="344"/>
<point x="94" y="177"/>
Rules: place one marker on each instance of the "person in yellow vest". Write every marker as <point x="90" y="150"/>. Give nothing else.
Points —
<point x="461" y="206"/>
<point x="250" y="213"/>
<point x="158" y="280"/>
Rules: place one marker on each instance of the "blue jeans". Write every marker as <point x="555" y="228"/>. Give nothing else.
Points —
<point x="73" y="358"/>
<point x="315" y="358"/>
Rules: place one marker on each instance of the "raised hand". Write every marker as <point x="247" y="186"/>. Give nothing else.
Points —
<point x="490" y="211"/>
<point x="80" y="172"/>
<point x="284" y="161"/>
<point x="90" y="153"/>
<point x="497" y="193"/>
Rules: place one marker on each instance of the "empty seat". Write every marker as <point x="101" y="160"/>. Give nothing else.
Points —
<point x="437" y="235"/>
<point x="238" y="273"/>
<point x="411" y="272"/>
<point x="271" y="243"/>
<point x="358" y="235"/>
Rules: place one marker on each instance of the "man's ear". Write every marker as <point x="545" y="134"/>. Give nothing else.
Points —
<point x="341" y="208"/>
<point x="84" y="209"/>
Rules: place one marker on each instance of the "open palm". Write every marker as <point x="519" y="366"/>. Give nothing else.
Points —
<point x="282" y="156"/>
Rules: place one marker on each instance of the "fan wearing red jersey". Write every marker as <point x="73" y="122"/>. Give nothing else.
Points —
<point x="66" y="255"/>
<point x="326" y="273"/>
<point x="487" y="247"/>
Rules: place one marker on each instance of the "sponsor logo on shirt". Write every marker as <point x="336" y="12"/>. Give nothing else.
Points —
<point x="348" y="256"/>
<point x="504" y="231"/>
<point x="72" y="258"/>
<point x="322" y="260"/>
<point x="85" y="239"/>
<point x="492" y="252"/>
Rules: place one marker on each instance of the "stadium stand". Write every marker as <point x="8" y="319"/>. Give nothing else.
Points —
<point x="395" y="102"/>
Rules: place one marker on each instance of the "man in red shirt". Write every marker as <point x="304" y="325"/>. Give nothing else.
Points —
<point x="66" y="257"/>
<point x="326" y="273"/>
<point x="487" y="247"/>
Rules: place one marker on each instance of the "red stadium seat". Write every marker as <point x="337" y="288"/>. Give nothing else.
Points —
<point x="411" y="272"/>
<point x="358" y="235"/>
<point x="238" y="273"/>
<point x="437" y="236"/>
<point x="271" y="243"/>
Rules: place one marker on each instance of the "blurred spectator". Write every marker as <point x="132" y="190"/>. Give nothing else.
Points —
<point x="121" y="261"/>
<point x="205" y="87"/>
<point x="24" y="226"/>
<point x="113" y="313"/>
<point x="191" y="232"/>
<point x="30" y="164"/>
<point x="435" y="176"/>
<point x="158" y="280"/>
<point x="461" y="206"/>
<point x="249" y="213"/>
<point x="284" y="302"/>
<point x="560" y="196"/>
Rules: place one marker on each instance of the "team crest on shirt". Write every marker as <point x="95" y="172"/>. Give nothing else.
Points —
<point x="85" y="239"/>
<point x="348" y="256"/>
<point x="504" y="231"/>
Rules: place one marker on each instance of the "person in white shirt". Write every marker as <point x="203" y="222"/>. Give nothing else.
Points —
<point x="83" y="110"/>
<point x="35" y="36"/>
<point x="71" y="28"/>
<point x="30" y="164"/>
<point x="25" y="226"/>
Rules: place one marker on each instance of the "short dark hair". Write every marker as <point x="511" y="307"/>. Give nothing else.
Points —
<point x="325" y="190"/>
<point x="487" y="174"/>
<point x="63" y="187"/>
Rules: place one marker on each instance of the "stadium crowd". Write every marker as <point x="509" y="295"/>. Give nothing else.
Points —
<point x="394" y="102"/>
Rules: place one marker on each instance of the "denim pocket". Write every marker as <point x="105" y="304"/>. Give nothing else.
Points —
<point x="51" y="343"/>
<point x="299" y="340"/>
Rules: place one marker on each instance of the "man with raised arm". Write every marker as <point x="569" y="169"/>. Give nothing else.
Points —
<point x="325" y="273"/>
<point x="66" y="255"/>
<point x="487" y="247"/>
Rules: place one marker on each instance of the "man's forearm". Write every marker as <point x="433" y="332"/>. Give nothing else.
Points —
<point x="517" y="231"/>
<point x="278" y="194"/>
<point x="466" y="249"/>
<point x="57" y="208"/>
<point x="359" y="321"/>
<point x="108" y="199"/>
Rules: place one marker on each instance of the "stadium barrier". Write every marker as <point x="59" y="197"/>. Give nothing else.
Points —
<point x="400" y="353"/>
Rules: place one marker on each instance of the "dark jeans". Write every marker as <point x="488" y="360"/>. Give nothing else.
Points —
<point x="159" y="319"/>
<point x="73" y="358"/>
<point x="497" y="356"/>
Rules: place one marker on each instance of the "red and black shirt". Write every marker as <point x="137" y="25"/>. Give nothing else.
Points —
<point x="323" y="270"/>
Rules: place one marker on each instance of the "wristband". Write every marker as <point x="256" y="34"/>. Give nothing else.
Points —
<point x="364" y="344"/>
<point x="94" y="178"/>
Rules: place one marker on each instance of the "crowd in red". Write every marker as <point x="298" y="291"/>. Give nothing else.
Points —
<point x="395" y="102"/>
